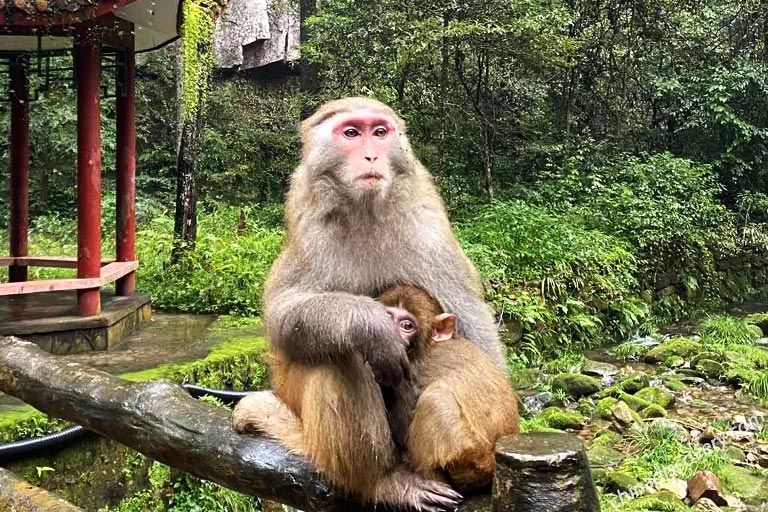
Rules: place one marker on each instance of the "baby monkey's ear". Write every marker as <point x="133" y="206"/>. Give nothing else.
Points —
<point x="443" y="327"/>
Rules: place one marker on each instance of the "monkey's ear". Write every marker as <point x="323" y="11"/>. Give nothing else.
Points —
<point x="443" y="327"/>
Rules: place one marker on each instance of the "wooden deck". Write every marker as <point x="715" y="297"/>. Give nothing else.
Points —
<point x="51" y="320"/>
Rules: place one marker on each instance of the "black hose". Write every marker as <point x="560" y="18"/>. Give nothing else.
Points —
<point x="26" y="447"/>
<point x="228" y="397"/>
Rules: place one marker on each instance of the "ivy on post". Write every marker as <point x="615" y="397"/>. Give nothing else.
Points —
<point x="194" y="75"/>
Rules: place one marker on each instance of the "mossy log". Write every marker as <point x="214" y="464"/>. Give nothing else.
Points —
<point x="161" y="420"/>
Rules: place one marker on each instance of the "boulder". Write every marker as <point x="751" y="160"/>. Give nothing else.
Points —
<point x="562" y="419"/>
<point x="576" y="385"/>
<point x="705" y="484"/>
<point x="681" y="347"/>
<point x="599" y="369"/>
<point x="659" y="396"/>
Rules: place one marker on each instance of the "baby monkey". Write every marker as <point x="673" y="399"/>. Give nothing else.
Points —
<point x="451" y="379"/>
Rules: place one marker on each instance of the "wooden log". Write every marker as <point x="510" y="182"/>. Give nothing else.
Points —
<point x="19" y="496"/>
<point x="164" y="422"/>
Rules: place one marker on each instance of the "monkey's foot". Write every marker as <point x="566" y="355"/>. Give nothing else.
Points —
<point x="410" y="491"/>
<point x="263" y="412"/>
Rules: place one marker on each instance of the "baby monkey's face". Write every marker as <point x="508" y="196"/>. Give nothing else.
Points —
<point x="406" y="324"/>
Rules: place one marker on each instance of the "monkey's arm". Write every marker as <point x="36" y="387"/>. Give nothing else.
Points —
<point x="316" y="327"/>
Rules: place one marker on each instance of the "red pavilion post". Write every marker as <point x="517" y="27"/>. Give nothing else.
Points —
<point x="19" y="160"/>
<point x="126" y="172"/>
<point x="87" y="54"/>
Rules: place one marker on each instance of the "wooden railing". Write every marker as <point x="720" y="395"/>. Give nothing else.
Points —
<point x="111" y="271"/>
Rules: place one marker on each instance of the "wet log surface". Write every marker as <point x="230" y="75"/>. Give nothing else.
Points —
<point x="162" y="421"/>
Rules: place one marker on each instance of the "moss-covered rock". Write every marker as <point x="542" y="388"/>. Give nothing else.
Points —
<point x="599" y="369"/>
<point x="576" y="386"/>
<point x="673" y="383"/>
<point x="758" y="319"/>
<point x="624" y="416"/>
<point x="674" y="362"/>
<point x="561" y="419"/>
<point x="602" y="456"/>
<point x="681" y="347"/>
<point x="744" y="483"/>
<point x="614" y="481"/>
<point x="603" y="407"/>
<point x="655" y="395"/>
<point x="653" y="411"/>
<point x="634" y="383"/>
<point x="606" y="438"/>
<point x="586" y="406"/>
<point x="635" y="402"/>
<point x="710" y="369"/>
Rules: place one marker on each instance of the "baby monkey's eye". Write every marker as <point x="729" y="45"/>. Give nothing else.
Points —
<point x="380" y="131"/>
<point x="407" y="325"/>
<point x="351" y="133"/>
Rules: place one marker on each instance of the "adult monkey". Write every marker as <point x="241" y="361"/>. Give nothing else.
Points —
<point x="362" y="214"/>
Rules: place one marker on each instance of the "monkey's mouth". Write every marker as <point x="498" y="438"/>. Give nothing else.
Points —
<point x="370" y="178"/>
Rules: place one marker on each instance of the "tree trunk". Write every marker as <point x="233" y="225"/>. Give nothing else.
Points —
<point x="187" y="159"/>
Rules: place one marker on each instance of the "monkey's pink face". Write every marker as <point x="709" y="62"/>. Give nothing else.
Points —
<point x="366" y="140"/>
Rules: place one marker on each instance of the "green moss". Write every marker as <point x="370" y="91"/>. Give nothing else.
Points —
<point x="653" y="411"/>
<point x="603" y="407"/>
<point x="656" y="395"/>
<point x="635" y="402"/>
<point x="576" y="385"/>
<point x="634" y="383"/>
<point x="561" y="419"/>
<point x="681" y="347"/>
<point x="673" y="383"/>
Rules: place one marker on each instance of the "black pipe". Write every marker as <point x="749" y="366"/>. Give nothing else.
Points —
<point x="26" y="447"/>
<point x="226" y="396"/>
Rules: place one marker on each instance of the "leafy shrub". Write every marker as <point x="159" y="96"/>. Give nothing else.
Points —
<point x="727" y="331"/>
<point x="564" y="283"/>
<point x="224" y="273"/>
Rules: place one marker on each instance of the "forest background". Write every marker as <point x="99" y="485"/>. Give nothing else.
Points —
<point x="603" y="162"/>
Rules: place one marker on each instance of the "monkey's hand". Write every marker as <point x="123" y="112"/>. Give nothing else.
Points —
<point x="383" y="349"/>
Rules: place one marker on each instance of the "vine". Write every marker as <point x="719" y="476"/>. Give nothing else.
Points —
<point x="197" y="52"/>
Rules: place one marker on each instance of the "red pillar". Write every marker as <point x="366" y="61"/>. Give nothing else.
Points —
<point x="126" y="172"/>
<point x="19" y="179"/>
<point x="88" y="76"/>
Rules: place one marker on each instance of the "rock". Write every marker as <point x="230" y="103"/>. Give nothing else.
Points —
<point x="653" y="411"/>
<point x="676" y="486"/>
<point x="526" y="378"/>
<point x="576" y="385"/>
<point x="706" y="505"/>
<point x="664" y="500"/>
<point x="705" y="484"/>
<point x="614" y="481"/>
<point x="535" y="403"/>
<point x="673" y="384"/>
<point x="691" y="380"/>
<point x="710" y="369"/>
<point x="758" y="319"/>
<point x="734" y="453"/>
<point x="752" y="489"/>
<point x="599" y="369"/>
<point x="543" y="471"/>
<point x="634" y="383"/>
<point x="674" y="362"/>
<point x="585" y="406"/>
<point x="659" y="396"/>
<point x="561" y="419"/>
<point x="603" y="407"/>
<point x="602" y="456"/>
<point x="606" y="438"/>
<point x="633" y="401"/>
<point x="739" y="436"/>
<point x="624" y="416"/>
<point x="681" y="347"/>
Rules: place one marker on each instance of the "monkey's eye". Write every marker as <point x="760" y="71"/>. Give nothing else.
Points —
<point x="351" y="133"/>
<point x="407" y="325"/>
<point x="380" y="131"/>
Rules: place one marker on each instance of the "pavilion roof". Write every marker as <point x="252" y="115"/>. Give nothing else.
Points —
<point x="25" y="25"/>
<point x="42" y="7"/>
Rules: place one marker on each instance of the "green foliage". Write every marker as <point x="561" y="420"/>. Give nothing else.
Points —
<point x="726" y="331"/>
<point x="562" y="282"/>
<point x="197" y="54"/>
<point x="223" y="274"/>
<point x="172" y="492"/>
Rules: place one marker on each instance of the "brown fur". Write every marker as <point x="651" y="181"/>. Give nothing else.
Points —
<point x="333" y="344"/>
<point x="465" y="402"/>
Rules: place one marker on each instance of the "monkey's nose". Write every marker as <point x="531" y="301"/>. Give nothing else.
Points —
<point x="371" y="158"/>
